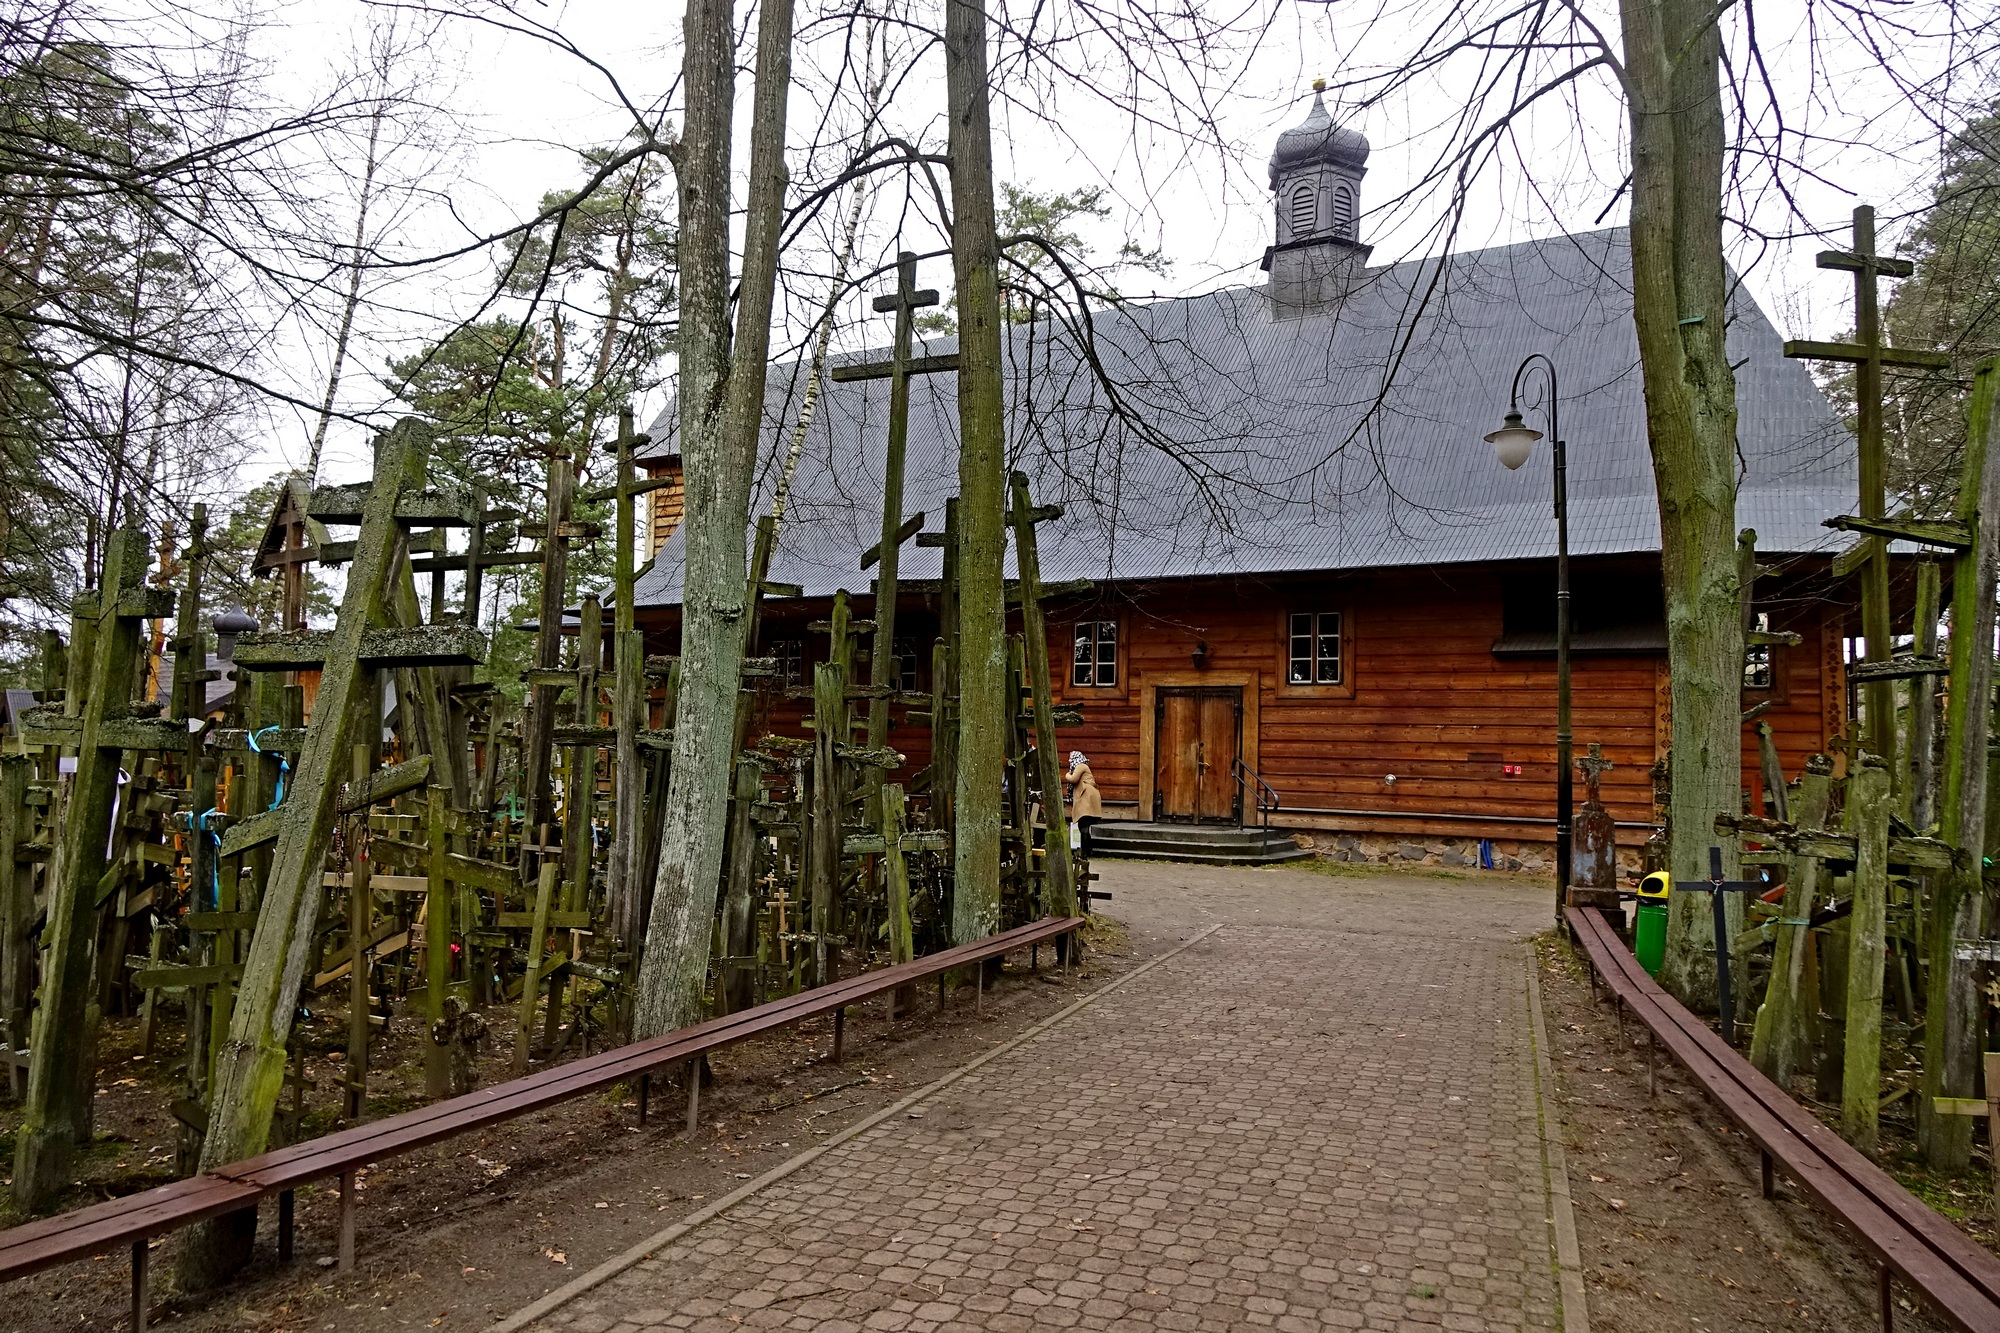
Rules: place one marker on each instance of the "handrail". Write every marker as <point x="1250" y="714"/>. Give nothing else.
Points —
<point x="1265" y="789"/>
<point x="1264" y="810"/>
<point x="135" y="1218"/>
<point x="1958" y="1278"/>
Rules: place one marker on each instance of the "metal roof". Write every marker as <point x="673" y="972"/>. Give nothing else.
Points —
<point x="1346" y="439"/>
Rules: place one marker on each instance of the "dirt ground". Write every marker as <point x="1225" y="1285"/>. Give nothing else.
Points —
<point x="1673" y="1231"/>
<point x="455" y="1236"/>
<point x="1670" y="1216"/>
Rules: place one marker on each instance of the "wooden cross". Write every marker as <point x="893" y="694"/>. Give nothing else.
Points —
<point x="905" y="301"/>
<point x="1059" y="888"/>
<point x="1868" y="355"/>
<point x="1988" y="1106"/>
<point x="1717" y="887"/>
<point x="1593" y="766"/>
<point x="102" y="727"/>
<point x="893" y="844"/>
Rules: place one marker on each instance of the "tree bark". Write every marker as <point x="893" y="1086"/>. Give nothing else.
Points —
<point x="353" y="301"/>
<point x="1679" y="292"/>
<point x="982" y="533"/>
<point x="721" y="416"/>
<point x="1952" y="1018"/>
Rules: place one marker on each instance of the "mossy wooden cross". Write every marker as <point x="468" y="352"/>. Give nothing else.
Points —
<point x="1868" y="355"/>
<point x="1717" y="887"/>
<point x="251" y="1065"/>
<point x="1059" y="888"/>
<point x="56" y="1119"/>
<point x="905" y="301"/>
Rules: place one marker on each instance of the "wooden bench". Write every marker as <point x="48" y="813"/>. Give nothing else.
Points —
<point x="1958" y="1278"/>
<point x="135" y="1219"/>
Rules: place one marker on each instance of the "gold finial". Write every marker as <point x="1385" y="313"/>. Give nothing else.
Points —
<point x="1319" y="85"/>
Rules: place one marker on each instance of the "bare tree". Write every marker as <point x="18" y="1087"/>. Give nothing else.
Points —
<point x="721" y="396"/>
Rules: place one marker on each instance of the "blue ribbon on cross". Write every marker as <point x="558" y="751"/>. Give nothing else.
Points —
<point x="201" y="827"/>
<point x="284" y="764"/>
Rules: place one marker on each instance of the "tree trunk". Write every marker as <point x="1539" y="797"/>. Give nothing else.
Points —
<point x="982" y="533"/>
<point x="722" y="409"/>
<point x="353" y="301"/>
<point x="1953" y="1007"/>
<point x="1679" y="290"/>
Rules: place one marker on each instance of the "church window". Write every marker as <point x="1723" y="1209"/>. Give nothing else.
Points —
<point x="1315" y="648"/>
<point x="788" y="653"/>
<point x="1096" y="661"/>
<point x="1305" y="210"/>
<point x="1343" y="212"/>
<point x="1757" y="658"/>
<point x="905" y="675"/>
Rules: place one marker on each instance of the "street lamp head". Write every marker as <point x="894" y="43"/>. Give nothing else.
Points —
<point x="1512" y="441"/>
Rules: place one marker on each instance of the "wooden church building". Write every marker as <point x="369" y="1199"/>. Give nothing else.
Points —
<point x="1304" y="565"/>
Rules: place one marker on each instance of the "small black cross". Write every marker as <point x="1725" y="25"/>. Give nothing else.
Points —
<point x="1717" y="886"/>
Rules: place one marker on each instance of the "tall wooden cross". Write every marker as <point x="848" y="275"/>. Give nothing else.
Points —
<point x="58" y="1101"/>
<point x="1868" y="355"/>
<point x="905" y="301"/>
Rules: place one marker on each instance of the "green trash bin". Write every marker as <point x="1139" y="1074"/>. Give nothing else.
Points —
<point x="1649" y="931"/>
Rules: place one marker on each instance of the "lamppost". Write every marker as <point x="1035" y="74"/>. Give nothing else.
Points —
<point x="1512" y="443"/>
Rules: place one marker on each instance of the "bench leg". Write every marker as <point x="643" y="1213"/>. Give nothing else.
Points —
<point x="285" y="1227"/>
<point x="347" y="1220"/>
<point x="645" y="1092"/>
<point x="979" y="997"/>
<point x="694" y="1094"/>
<point x="1885" y="1291"/>
<point x="1770" y="1176"/>
<point x="1652" y="1065"/>
<point x="140" y="1259"/>
<point x="940" y="981"/>
<point x="839" y="1032"/>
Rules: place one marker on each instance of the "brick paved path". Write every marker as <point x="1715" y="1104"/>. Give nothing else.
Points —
<point x="1321" y="1116"/>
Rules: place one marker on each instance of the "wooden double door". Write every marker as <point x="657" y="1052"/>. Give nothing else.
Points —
<point x="1197" y="737"/>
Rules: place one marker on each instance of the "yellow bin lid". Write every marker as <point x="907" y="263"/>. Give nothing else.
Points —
<point x="1656" y="885"/>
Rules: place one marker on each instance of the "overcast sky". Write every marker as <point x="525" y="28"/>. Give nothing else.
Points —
<point x="523" y="107"/>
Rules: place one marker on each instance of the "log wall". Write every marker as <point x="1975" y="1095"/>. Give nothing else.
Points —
<point x="1424" y="697"/>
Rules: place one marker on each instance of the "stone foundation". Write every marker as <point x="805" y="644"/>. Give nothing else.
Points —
<point x="1526" y="857"/>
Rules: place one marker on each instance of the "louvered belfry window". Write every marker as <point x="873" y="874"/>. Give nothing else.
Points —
<point x="1343" y="212"/>
<point x="1305" y="210"/>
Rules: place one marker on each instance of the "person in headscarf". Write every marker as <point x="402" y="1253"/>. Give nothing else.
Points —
<point x="1086" y="805"/>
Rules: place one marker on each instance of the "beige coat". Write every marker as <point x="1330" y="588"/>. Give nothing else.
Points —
<point x="1084" y="800"/>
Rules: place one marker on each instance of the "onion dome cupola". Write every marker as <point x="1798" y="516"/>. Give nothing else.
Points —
<point x="1316" y="174"/>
